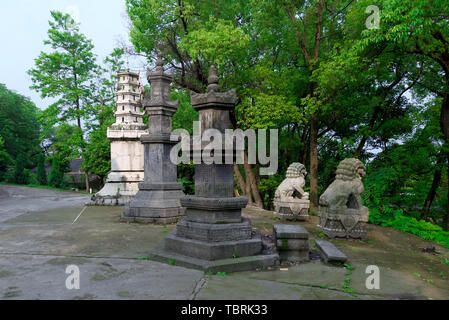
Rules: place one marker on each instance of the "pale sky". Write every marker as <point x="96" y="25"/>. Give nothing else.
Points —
<point x="23" y="29"/>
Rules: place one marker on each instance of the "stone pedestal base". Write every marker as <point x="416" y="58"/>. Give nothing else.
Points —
<point x="221" y="265"/>
<point x="343" y="223"/>
<point x="213" y="250"/>
<point x="119" y="190"/>
<point x="214" y="236"/>
<point x="155" y="203"/>
<point x="292" y="242"/>
<point x="294" y="210"/>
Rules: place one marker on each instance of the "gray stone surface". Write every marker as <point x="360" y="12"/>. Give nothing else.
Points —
<point x="329" y="252"/>
<point x="213" y="250"/>
<point x="294" y="255"/>
<point x="214" y="266"/>
<point x="38" y="239"/>
<point x="292" y="242"/>
<point x="213" y="228"/>
<point x="287" y="231"/>
<point x="341" y="212"/>
<point x="214" y="232"/>
<point x="158" y="198"/>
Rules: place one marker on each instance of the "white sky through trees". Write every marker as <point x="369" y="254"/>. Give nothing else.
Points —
<point x="24" y="26"/>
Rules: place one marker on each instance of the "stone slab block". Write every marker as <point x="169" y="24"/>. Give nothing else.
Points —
<point x="292" y="244"/>
<point x="213" y="250"/>
<point x="214" y="232"/>
<point x="284" y="231"/>
<point x="221" y="265"/>
<point x="329" y="252"/>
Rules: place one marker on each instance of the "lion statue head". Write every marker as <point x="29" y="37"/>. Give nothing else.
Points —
<point x="345" y="191"/>
<point x="296" y="170"/>
<point x="294" y="182"/>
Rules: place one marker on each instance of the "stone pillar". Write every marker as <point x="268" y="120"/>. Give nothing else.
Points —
<point x="213" y="228"/>
<point x="126" y="150"/>
<point x="158" y="198"/>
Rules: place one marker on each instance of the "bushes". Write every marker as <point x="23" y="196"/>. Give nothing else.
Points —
<point x="21" y="176"/>
<point x="41" y="174"/>
<point x="56" y="176"/>
<point x="395" y="219"/>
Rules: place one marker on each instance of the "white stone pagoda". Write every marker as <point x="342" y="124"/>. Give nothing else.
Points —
<point x="127" y="166"/>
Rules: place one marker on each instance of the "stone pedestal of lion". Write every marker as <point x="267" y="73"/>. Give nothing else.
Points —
<point x="290" y="200"/>
<point x="341" y="212"/>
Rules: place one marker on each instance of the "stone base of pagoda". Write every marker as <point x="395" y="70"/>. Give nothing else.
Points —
<point x="155" y="203"/>
<point x="213" y="235"/>
<point x="119" y="190"/>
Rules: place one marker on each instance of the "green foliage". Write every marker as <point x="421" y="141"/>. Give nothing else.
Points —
<point x="19" y="129"/>
<point x="185" y="115"/>
<point x="56" y="176"/>
<point x="97" y="154"/>
<point x="5" y="159"/>
<point x="65" y="73"/>
<point x="21" y="175"/>
<point x="186" y="174"/>
<point x="41" y="173"/>
<point x="267" y="188"/>
<point x="397" y="220"/>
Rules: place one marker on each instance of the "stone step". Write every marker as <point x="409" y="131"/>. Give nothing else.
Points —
<point x="329" y="252"/>
<point x="286" y="231"/>
<point x="221" y="265"/>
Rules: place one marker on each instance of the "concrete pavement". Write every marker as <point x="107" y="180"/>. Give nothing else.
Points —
<point x="39" y="238"/>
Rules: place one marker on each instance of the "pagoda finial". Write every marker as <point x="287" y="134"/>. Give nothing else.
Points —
<point x="213" y="80"/>
<point x="159" y="63"/>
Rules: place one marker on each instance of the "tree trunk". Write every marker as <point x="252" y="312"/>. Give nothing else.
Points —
<point x="86" y="176"/>
<point x="247" y="169"/>
<point x="240" y="180"/>
<point x="314" y="163"/>
<point x="255" y="190"/>
<point x="433" y="189"/>
<point x="360" y="147"/>
<point x="251" y="180"/>
<point x="444" y="125"/>
<point x="446" y="217"/>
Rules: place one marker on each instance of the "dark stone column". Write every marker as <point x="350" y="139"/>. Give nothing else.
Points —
<point x="158" y="197"/>
<point x="213" y="228"/>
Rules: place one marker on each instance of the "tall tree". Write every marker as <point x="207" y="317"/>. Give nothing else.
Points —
<point x="20" y="175"/>
<point x="96" y="155"/>
<point x="41" y="173"/>
<point x="66" y="74"/>
<point x="5" y="159"/>
<point x="422" y="29"/>
<point x="19" y="126"/>
<point x="56" y="176"/>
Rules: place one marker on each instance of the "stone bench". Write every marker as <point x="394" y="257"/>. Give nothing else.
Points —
<point x="329" y="252"/>
<point x="292" y="242"/>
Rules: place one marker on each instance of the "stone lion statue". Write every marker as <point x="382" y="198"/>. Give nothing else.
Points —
<point x="291" y="202"/>
<point x="342" y="213"/>
<point x="294" y="181"/>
